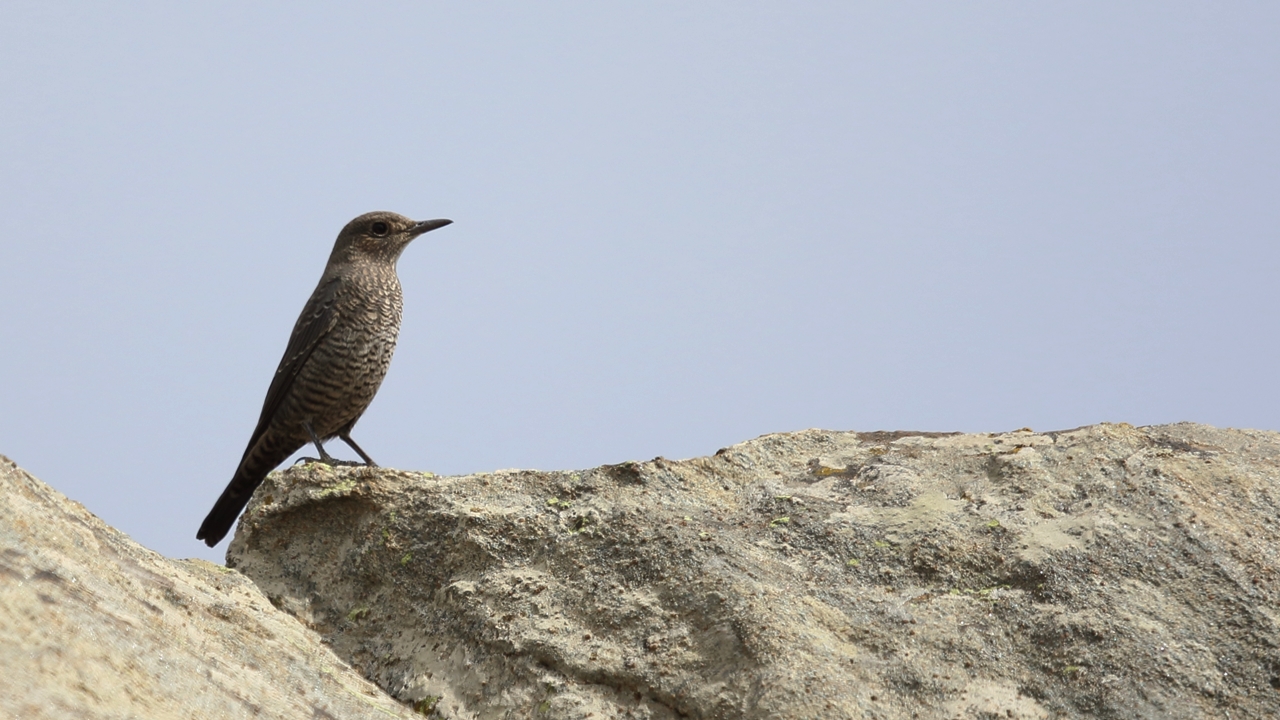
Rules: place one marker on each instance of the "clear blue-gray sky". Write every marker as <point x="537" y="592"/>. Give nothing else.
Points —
<point x="677" y="225"/>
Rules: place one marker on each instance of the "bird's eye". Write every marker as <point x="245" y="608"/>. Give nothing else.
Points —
<point x="380" y="229"/>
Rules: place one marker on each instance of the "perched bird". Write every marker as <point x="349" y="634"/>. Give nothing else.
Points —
<point x="337" y="356"/>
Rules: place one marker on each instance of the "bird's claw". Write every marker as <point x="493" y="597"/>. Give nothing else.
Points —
<point x="331" y="462"/>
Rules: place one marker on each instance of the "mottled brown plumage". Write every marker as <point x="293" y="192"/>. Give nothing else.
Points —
<point x="337" y="357"/>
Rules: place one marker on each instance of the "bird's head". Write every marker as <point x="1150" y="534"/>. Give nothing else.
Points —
<point x="380" y="236"/>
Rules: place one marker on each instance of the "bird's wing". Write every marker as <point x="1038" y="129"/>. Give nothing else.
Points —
<point x="317" y="319"/>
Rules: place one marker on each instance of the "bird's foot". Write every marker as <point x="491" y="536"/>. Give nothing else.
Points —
<point x="330" y="461"/>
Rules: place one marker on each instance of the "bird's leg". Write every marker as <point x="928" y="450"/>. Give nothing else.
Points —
<point x="345" y="436"/>
<point x="328" y="459"/>
<point x="325" y="457"/>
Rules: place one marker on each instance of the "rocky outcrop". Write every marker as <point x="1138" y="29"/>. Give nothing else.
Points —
<point x="1109" y="571"/>
<point x="92" y="625"/>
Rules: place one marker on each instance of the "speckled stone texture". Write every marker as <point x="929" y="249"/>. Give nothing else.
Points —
<point x="94" y="626"/>
<point x="1108" y="571"/>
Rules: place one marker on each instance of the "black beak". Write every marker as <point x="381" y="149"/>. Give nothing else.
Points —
<point x="427" y="226"/>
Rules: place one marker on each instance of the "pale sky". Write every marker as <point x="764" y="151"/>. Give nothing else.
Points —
<point x="677" y="226"/>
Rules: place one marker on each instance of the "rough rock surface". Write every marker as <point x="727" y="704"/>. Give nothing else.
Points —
<point x="1108" y="571"/>
<point x="92" y="625"/>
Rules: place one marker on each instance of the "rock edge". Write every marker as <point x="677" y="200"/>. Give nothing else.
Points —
<point x="94" y="626"/>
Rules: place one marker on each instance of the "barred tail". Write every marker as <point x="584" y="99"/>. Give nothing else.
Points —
<point x="265" y="455"/>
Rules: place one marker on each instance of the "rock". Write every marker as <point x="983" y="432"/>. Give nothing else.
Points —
<point x="92" y="625"/>
<point x="1108" y="571"/>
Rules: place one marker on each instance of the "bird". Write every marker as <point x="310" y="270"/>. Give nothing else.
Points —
<point x="336" y="358"/>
